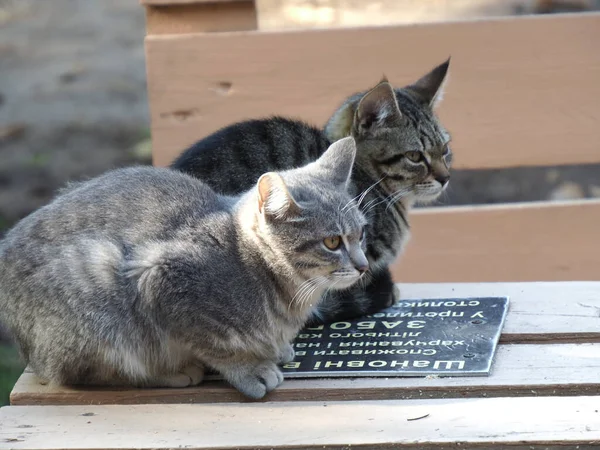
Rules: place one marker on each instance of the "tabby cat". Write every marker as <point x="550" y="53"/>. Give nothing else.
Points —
<point x="403" y="157"/>
<point x="145" y="276"/>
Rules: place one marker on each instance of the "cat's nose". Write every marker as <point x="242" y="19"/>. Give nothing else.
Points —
<point x="362" y="268"/>
<point x="442" y="179"/>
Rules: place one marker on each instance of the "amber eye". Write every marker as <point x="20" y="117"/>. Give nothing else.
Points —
<point x="414" y="156"/>
<point x="333" y="243"/>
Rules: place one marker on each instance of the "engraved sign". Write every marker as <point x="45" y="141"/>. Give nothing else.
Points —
<point x="445" y="337"/>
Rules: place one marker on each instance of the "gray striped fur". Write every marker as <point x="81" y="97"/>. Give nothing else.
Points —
<point x="145" y="276"/>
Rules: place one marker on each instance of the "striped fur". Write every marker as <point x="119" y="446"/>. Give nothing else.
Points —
<point x="391" y="128"/>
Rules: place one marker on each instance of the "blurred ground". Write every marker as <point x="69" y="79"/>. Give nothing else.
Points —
<point x="73" y="94"/>
<point x="73" y="97"/>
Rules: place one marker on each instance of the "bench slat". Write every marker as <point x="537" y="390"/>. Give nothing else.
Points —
<point x="196" y="17"/>
<point x="185" y="2"/>
<point x="519" y="370"/>
<point x="503" y="106"/>
<point x="551" y="312"/>
<point x="554" y="422"/>
<point x="518" y="242"/>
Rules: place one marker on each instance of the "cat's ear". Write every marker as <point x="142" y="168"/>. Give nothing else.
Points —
<point x="431" y="86"/>
<point x="338" y="160"/>
<point x="378" y="108"/>
<point x="274" y="199"/>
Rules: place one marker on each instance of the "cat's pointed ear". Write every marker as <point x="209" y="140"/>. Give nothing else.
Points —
<point x="378" y="108"/>
<point x="274" y="199"/>
<point x="338" y="160"/>
<point x="431" y="86"/>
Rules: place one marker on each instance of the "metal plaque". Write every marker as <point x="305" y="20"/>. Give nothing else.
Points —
<point x="444" y="337"/>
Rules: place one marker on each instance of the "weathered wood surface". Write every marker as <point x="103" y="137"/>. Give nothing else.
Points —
<point x="551" y="312"/>
<point x="185" y="2"/>
<point x="516" y="242"/>
<point x="207" y="17"/>
<point x="530" y="101"/>
<point x="518" y="370"/>
<point x="542" y="315"/>
<point x="499" y="423"/>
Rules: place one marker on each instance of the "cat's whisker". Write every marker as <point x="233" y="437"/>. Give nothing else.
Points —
<point x="303" y="287"/>
<point x="393" y="196"/>
<point x="362" y="196"/>
<point x="396" y="197"/>
<point x="310" y="292"/>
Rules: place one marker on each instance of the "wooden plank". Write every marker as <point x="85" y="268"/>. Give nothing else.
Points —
<point x="539" y="312"/>
<point x="185" y="2"/>
<point x="517" y="242"/>
<point x="498" y="423"/>
<point x="531" y="101"/>
<point x="519" y="370"/>
<point x="207" y="17"/>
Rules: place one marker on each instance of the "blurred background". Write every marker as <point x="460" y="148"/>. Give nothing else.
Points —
<point x="73" y="99"/>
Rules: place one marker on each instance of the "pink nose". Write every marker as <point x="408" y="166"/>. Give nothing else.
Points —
<point x="362" y="269"/>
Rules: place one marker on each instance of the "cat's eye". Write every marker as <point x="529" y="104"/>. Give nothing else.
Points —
<point x="333" y="243"/>
<point x="447" y="156"/>
<point x="414" y="156"/>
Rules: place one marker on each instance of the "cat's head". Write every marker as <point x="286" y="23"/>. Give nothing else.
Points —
<point x="310" y="221"/>
<point x="399" y="139"/>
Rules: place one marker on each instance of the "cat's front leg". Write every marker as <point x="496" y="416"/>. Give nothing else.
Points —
<point x="287" y="354"/>
<point x="254" y="380"/>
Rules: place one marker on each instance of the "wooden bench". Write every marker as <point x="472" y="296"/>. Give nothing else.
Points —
<point x="523" y="92"/>
<point x="544" y="390"/>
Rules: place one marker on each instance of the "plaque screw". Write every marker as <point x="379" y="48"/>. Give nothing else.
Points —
<point x="477" y="321"/>
<point x="469" y="355"/>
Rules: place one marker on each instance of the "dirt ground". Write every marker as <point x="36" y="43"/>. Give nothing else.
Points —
<point x="73" y="101"/>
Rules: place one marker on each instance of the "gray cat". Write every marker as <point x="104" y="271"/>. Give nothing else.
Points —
<point x="403" y="157"/>
<point x="146" y="276"/>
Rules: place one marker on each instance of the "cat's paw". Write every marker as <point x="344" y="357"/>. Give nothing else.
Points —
<point x="191" y="375"/>
<point x="178" y="380"/>
<point x="195" y="372"/>
<point x="287" y="354"/>
<point x="256" y="381"/>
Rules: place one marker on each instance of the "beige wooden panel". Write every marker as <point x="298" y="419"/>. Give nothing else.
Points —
<point x="497" y="423"/>
<point x="539" y="312"/>
<point x="201" y="17"/>
<point x="519" y="370"/>
<point x="522" y="91"/>
<point x="185" y="2"/>
<point x="514" y="242"/>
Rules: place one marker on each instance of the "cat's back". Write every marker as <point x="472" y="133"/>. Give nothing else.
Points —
<point x="136" y="202"/>
<point x="233" y="158"/>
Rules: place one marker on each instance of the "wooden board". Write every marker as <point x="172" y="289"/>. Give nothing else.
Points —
<point x="209" y="17"/>
<point x="519" y="370"/>
<point x="185" y="2"/>
<point x="542" y="312"/>
<point x="551" y="314"/>
<point x="522" y="91"/>
<point x="498" y="423"/>
<point x="516" y="242"/>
